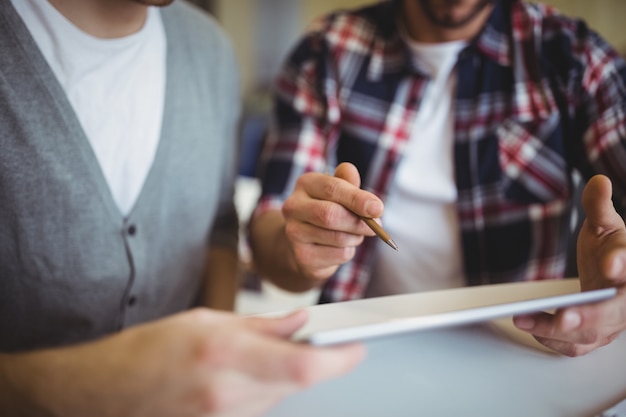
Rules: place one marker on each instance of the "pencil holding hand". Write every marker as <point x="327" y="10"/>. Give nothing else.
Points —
<point x="370" y="222"/>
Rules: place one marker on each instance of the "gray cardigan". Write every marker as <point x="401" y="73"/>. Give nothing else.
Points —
<point x="72" y="268"/>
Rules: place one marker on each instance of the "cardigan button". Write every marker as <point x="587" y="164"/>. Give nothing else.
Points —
<point x="132" y="230"/>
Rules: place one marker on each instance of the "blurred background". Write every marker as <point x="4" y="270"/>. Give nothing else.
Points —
<point x="262" y="32"/>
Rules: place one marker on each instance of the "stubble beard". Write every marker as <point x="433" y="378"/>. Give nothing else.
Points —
<point x="449" y="22"/>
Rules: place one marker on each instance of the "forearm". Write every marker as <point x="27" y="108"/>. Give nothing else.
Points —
<point x="221" y="280"/>
<point x="29" y="386"/>
<point x="12" y="391"/>
<point x="273" y="258"/>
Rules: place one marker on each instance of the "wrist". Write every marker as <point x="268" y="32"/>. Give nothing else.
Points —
<point x="19" y="395"/>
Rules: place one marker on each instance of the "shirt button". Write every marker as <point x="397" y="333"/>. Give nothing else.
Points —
<point x="132" y="300"/>
<point x="132" y="230"/>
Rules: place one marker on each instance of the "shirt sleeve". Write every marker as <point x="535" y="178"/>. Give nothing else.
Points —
<point x="303" y="122"/>
<point x="601" y="115"/>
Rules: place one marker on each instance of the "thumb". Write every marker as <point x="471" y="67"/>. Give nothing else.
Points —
<point x="602" y="240"/>
<point x="282" y="327"/>
<point x="347" y="171"/>
<point x="598" y="206"/>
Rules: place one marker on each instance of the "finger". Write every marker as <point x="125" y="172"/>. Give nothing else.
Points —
<point x="276" y="360"/>
<point x="574" y="349"/>
<point x="541" y="331"/>
<point x="324" y="223"/>
<point x="317" y="257"/>
<point x="320" y="256"/>
<point x="347" y="171"/>
<point x="345" y="193"/>
<point x="256" y="404"/>
<point x="547" y="326"/>
<point x="589" y="324"/>
<point x="566" y="348"/>
<point x="283" y="327"/>
<point x="229" y="393"/>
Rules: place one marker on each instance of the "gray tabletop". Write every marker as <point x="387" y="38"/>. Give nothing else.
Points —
<point x="467" y="371"/>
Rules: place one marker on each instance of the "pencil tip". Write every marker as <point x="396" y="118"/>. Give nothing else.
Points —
<point x="391" y="243"/>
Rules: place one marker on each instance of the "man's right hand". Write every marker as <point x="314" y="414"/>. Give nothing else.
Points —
<point x="321" y="220"/>
<point x="198" y="363"/>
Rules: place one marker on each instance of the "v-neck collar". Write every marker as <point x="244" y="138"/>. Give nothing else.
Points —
<point x="47" y="82"/>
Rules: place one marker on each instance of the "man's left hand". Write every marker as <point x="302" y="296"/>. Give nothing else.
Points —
<point x="601" y="254"/>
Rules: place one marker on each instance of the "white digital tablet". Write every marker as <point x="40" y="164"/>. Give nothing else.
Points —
<point x="375" y="317"/>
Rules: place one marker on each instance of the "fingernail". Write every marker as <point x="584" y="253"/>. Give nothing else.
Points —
<point x="571" y="320"/>
<point x="373" y="208"/>
<point x="524" y="322"/>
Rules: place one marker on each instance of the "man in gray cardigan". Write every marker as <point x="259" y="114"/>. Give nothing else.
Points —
<point x="117" y="161"/>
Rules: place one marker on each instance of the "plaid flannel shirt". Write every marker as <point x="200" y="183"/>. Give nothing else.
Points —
<point x="539" y="95"/>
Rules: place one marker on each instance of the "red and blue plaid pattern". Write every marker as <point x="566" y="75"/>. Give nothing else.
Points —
<point x="539" y="95"/>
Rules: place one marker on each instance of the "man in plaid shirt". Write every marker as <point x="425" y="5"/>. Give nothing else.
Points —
<point x="468" y="119"/>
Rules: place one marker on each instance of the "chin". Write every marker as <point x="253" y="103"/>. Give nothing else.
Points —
<point x="453" y="14"/>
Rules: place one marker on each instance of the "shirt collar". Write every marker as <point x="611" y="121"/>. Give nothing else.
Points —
<point x="390" y="54"/>
<point x="494" y="40"/>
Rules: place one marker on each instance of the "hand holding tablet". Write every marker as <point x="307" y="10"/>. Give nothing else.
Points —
<point x="382" y="316"/>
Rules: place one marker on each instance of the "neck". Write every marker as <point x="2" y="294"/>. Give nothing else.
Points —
<point x="422" y="29"/>
<point x="104" y="18"/>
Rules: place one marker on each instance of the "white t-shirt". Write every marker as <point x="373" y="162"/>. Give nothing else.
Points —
<point x="420" y="211"/>
<point x="115" y="86"/>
